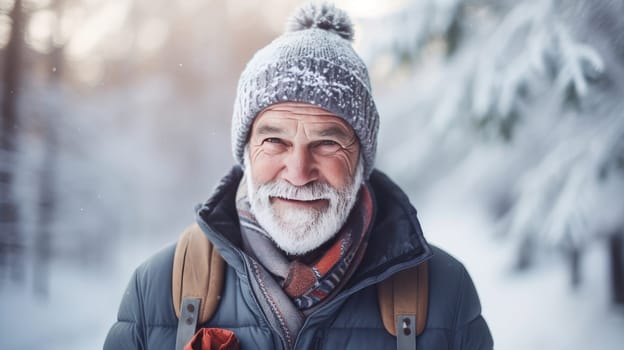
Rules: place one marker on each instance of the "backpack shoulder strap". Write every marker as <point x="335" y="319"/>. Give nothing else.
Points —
<point x="403" y="301"/>
<point x="197" y="280"/>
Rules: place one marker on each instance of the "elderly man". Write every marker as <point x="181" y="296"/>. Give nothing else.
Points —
<point x="305" y="225"/>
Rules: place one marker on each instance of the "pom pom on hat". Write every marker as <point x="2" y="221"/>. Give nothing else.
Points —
<point x="324" y="16"/>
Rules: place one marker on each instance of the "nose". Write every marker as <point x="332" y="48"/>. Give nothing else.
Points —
<point x="300" y="167"/>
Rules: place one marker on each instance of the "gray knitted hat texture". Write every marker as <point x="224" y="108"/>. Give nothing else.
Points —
<point x="312" y="62"/>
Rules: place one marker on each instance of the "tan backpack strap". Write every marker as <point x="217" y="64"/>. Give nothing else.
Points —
<point x="198" y="271"/>
<point x="403" y="296"/>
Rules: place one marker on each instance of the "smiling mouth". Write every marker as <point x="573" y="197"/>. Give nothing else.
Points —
<point x="315" y="203"/>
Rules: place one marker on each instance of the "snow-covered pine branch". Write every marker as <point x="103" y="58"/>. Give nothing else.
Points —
<point x="405" y="32"/>
<point x="540" y="71"/>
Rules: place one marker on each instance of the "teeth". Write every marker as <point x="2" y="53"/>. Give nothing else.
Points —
<point x="300" y="199"/>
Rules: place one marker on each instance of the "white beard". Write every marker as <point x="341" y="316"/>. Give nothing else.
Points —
<point x="298" y="230"/>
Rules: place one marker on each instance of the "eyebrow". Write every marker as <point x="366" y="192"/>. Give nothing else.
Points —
<point x="335" y="132"/>
<point x="268" y="129"/>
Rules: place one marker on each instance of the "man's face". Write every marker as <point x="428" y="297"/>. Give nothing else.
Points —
<point x="303" y="174"/>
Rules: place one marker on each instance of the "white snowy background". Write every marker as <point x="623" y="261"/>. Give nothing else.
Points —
<point x="501" y="119"/>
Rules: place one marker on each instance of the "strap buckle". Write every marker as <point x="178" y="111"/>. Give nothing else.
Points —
<point x="406" y="332"/>
<point x="187" y="324"/>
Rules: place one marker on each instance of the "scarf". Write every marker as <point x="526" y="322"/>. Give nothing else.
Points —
<point x="310" y="279"/>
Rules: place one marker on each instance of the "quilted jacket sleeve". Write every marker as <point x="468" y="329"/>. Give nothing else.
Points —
<point x="471" y="331"/>
<point x="127" y="332"/>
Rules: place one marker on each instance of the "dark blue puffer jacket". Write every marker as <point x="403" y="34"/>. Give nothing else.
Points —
<point x="351" y="320"/>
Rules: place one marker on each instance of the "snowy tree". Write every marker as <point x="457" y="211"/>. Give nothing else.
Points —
<point x="11" y="238"/>
<point x="540" y="81"/>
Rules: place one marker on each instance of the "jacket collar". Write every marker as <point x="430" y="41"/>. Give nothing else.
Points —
<point x="395" y="242"/>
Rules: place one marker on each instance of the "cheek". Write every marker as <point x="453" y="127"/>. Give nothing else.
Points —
<point x="337" y="172"/>
<point x="260" y="165"/>
<point x="264" y="169"/>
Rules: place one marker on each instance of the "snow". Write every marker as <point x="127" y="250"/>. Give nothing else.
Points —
<point x="76" y="315"/>
<point x="535" y="309"/>
<point x="79" y="308"/>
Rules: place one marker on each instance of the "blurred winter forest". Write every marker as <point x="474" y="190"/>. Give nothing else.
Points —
<point x="503" y="120"/>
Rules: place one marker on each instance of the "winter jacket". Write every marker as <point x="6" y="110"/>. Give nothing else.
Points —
<point x="351" y="320"/>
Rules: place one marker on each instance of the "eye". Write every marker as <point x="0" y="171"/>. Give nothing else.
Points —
<point x="273" y="140"/>
<point x="273" y="145"/>
<point x="327" y="147"/>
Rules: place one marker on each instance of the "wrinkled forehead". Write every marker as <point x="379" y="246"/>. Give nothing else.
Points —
<point x="289" y="114"/>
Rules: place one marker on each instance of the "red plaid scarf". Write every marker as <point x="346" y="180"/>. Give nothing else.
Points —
<point x="307" y="284"/>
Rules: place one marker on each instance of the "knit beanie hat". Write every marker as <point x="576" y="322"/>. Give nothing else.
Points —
<point x="312" y="62"/>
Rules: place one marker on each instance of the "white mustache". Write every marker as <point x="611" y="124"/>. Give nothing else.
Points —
<point x="310" y="192"/>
